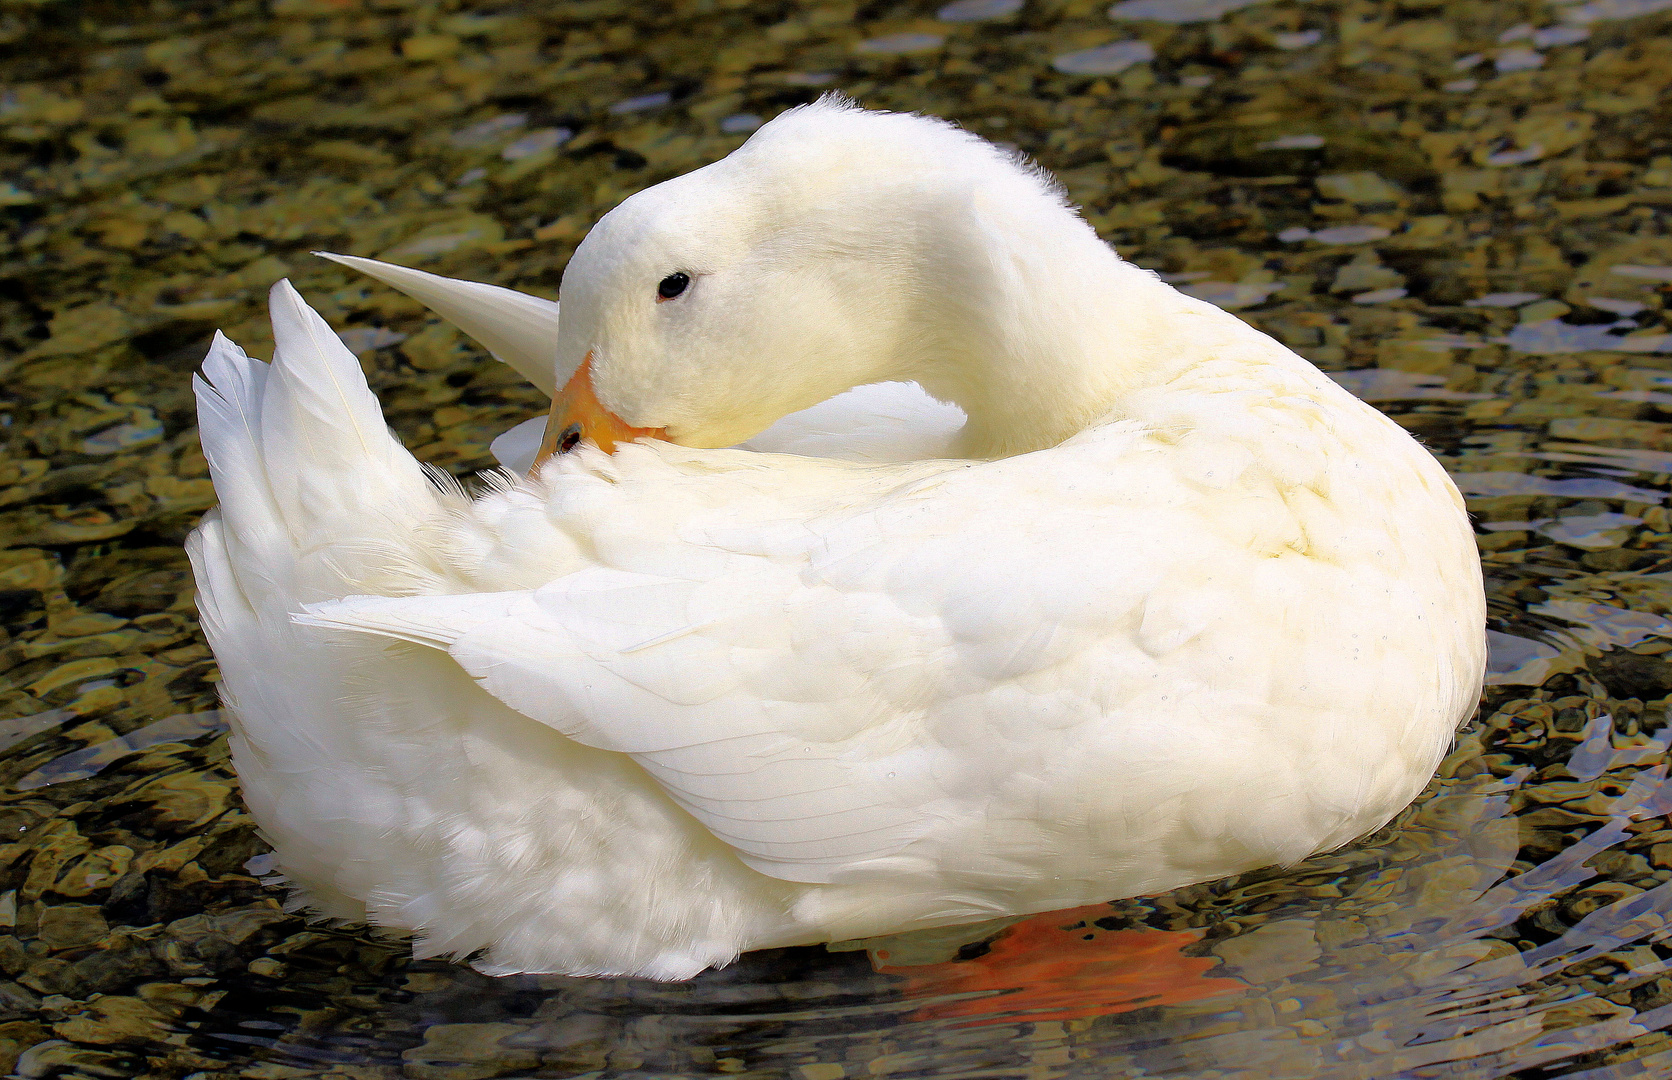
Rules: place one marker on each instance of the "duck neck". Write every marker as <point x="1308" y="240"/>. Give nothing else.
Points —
<point x="1045" y="328"/>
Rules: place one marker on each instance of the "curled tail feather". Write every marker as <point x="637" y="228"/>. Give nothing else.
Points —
<point x="316" y="497"/>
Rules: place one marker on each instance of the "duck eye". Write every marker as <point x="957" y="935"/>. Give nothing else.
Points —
<point x="570" y="439"/>
<point x="672" y="286"/>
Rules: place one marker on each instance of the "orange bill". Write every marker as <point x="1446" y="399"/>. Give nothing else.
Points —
<point x="577" y="416"/>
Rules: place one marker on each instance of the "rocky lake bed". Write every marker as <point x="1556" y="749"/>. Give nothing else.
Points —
<point x="1462" y="211"/>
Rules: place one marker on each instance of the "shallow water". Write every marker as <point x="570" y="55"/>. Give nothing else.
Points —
<point x="1459" y="210"/>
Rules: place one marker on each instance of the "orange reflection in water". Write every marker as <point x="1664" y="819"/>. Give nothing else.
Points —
<point x="1061" y="966"/>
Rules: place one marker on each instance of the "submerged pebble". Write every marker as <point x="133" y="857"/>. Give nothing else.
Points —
<point x="1177" y="11"/>
<point x="1111" y="59"/>
<point x="978" y="10"/>
<point x="90" y="761"/>
<point x="901" y="44"/>
<point x="538" y="142"/>
<point x="1551" y="336"/>
<point x="1232" y="296"/>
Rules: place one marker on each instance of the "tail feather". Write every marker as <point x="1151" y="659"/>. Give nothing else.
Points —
<point x="317" y="500"/>
<point x="341" y="469"/>
<point x="249" y="524"/>
<point x="229" y="392"/>
<point x="321" y="377"/>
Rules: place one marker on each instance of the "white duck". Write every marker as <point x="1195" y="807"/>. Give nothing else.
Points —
<point x="1170" y="605"/>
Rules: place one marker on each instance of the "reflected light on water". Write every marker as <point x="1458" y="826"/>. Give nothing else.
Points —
<point x="1395" y="957"/>
<point x="1461" y="213"/>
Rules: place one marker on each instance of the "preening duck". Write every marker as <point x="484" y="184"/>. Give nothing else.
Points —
<point x="1090" y="591"/>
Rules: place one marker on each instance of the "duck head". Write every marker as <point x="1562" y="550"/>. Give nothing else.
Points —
<point x="840" y="247"/>
<point x="705" y="308"/>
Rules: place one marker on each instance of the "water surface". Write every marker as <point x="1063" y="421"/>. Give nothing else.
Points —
<point x="1458" y="210"/>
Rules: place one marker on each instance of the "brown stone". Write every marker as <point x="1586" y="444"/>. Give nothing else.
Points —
<point x="69" y="926"/>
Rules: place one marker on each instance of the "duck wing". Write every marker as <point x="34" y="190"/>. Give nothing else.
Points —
<point x="879" y="422"/>
<point x="683" y="704"/>
<point x="749" y="695"/>
<point x="820" y="690"/>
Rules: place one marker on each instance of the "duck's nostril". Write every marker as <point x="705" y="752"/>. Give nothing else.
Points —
<point x="570" y="439"/>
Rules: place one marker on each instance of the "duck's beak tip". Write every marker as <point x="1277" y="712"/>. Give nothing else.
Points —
<point x="578" y="416"/>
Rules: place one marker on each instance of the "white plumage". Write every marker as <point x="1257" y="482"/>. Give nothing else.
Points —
<point x="1168" y="605"/>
